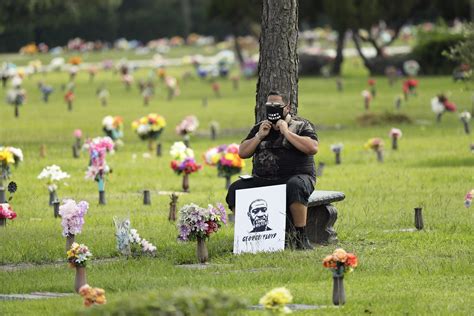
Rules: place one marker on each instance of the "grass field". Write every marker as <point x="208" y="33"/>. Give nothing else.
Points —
<point x="426" y="272"/>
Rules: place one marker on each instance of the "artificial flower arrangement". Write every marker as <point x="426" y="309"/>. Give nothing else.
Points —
<point x="395" y="134"/>
<point x="92" y="295"/>
<point x="468" y="198"/>
<point x="113" y="127"/>
<point x="78" y="255"/>
<point x="340" y="262"/>
<point x="409" y="87"/>
<point x="9" y="156"/>
<point x="129" y="241"/>
<point x="183" y="159"/>
<point x="337" y="149"/>
<point x="187" y="126"/>
<point x="98" y="149"/>
<point x="72" y="216"/>
<point x="98" y="168"/>
<point x="149" y="127"/>
<point x="199" y="223"/>
<point x="6" y="212"/>
<point x="275" y="301"/>
<point x="226" y="158"/>
<point x="411" y="67"/>
<point x="440" y="103"/>
<point x="376" y="144"/>
<point x="367" y="95"/>
<point x="371" y="83"/>
<point x="140" y="245"/>
<point x="53" y="175"/>
<point x="465" y="118"/>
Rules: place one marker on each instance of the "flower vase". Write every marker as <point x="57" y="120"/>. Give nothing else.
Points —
<point x="69" y="241"/>
<point x="151" y="144"/>
<point x="3" y="222"/>
<point x="419" y="218"/>
<point x="52" y="197"/>
<point x="227" y="182"/>
<point x="213" y="133"/>
<point x="394" y="142"/>
<point x="201" y="250"/>
<point x="379" y="155"/>
<point x="56" y="208"/>
<point x="69" y="106"/>
<point x="438" y="117"/>
<point x="186" y="182"/>
<point x="2" y="194"/>
<point x="17" y="110"/>
<point x="81" y="279"/>
<point x="338" y="292"/>
<point x="102" y="191"/>
<point x="146" y="197"/>
<point x="366" y="103"/>
<point x="466" y="127"/>
<point x="158" y="149"/>
<point x="75" y="151"/>
<point x="338" y="157"/>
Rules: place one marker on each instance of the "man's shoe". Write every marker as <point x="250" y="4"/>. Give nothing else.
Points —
<point x="301" y="241"/>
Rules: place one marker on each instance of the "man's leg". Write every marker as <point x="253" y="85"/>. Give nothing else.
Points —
<point x="244" y="184"/>
<point x="299" y="188"/>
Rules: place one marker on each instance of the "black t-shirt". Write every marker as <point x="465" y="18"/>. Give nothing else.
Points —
<point x="276" y="158"/>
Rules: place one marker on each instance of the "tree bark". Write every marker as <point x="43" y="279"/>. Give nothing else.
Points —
<point x="336" y="68"/>
<point x="278" y="63"/>
<point x="187" y="21"/>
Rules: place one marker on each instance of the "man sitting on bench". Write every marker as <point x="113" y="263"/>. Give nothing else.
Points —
<point x="282" y="147"/>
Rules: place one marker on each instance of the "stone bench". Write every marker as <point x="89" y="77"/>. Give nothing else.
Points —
<point x="322" y="215"/>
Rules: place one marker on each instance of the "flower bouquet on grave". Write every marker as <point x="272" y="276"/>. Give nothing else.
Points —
<point x="275" y="301"/>
<point x="227" y="160"/>
<point x="409" y="87"/>
<point x="376" y="144"/>
<point x="140" y="245"/>
<point x="411" y="67"/>
<point x="367" y="99"/>
<point x="72" y="215"/>
<point x="77" y="257"/>
<point x="337" y="149"/>
<point x="69" y="98"/>
<point x="187" y="126"/>
<point x="17" y="98"/>
<point x="150" y="128"/>
<point x="6" y="212"/>
<point x="468" y="198"/>
<point x="395" y="134"/>
<point x="53" y="175"/>
<point x="103" y="94"/>
<point x="45" y="90"/>
<point x="92" y="295"/>
<point x="129" y="241"/>
<point x="371" y="83"/>
<point x="98" y="168"/>
<point x="465" y="118"/>
<point x="172" y="86"/>
<point x="113" y="128"/>
<point x="9" y="156"/>
<point x="198" y="223"/>
<point x="183" y="162"/>
<point x="340" y="262"/>
<point x="77" y="144"/>
<point x="127" y="80"/>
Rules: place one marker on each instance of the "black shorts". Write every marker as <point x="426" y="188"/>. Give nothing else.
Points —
<point x="298" y="188"/>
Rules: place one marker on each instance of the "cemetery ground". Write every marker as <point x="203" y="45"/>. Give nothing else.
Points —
<point x="422" y="272"/>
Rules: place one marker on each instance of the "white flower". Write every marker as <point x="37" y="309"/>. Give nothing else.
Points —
<point x="395" y="132"/>
<point x="437" y="106"/>
<point x="143" y="129"/>
<point x="337" y="147"/>
<point x="465" y="116"/>
<point x="108" y="122"/>
<point x="16" y="152"/>
<point x="53" y="173"/>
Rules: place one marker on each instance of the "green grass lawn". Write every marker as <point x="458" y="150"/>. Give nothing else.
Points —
<point x="426" y="272"/>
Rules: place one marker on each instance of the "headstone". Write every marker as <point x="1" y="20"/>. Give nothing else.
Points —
<point x="146" y="197"/>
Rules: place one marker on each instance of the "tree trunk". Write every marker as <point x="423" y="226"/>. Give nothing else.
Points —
<point x="187" y="21"/>
<point x="367" y="62"/>
<point x="278" y="64"/>
<point x="336" y="67"/>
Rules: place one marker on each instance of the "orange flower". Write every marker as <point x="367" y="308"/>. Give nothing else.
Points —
<point x="351" y="260"/>
<point x="340" y="255"/>
<point x="329" y="262"/>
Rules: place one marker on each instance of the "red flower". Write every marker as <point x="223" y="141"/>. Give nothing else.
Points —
<point x="371" y="82"/>
<point x="351" y="260"/>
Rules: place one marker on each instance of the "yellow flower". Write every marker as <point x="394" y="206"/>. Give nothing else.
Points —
<point x="340" y="255"/>
<point x="144" y="120"/>
<point x="135" y="125"/>
<point x="276" y="299"/>
<point x="7" y="156"/>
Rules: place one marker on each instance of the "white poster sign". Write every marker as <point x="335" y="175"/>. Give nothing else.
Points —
<point x="260" y="219"/>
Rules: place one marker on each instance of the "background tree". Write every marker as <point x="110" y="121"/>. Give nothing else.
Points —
<point x="278" y="63"/>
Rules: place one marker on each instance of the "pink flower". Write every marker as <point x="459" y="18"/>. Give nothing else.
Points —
<point x="77" y="133"/>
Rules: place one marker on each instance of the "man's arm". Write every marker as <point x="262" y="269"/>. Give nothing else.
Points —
<point x="304" y="144"/>
<point x="248" y="146"/>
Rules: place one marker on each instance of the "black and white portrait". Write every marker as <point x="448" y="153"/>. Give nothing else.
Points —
<point x="258" y="215"/>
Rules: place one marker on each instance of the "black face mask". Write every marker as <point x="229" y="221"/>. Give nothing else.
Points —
<point x="274" y="113"/>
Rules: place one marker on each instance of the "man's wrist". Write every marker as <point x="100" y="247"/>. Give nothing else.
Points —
<point x="257" y="135"/>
